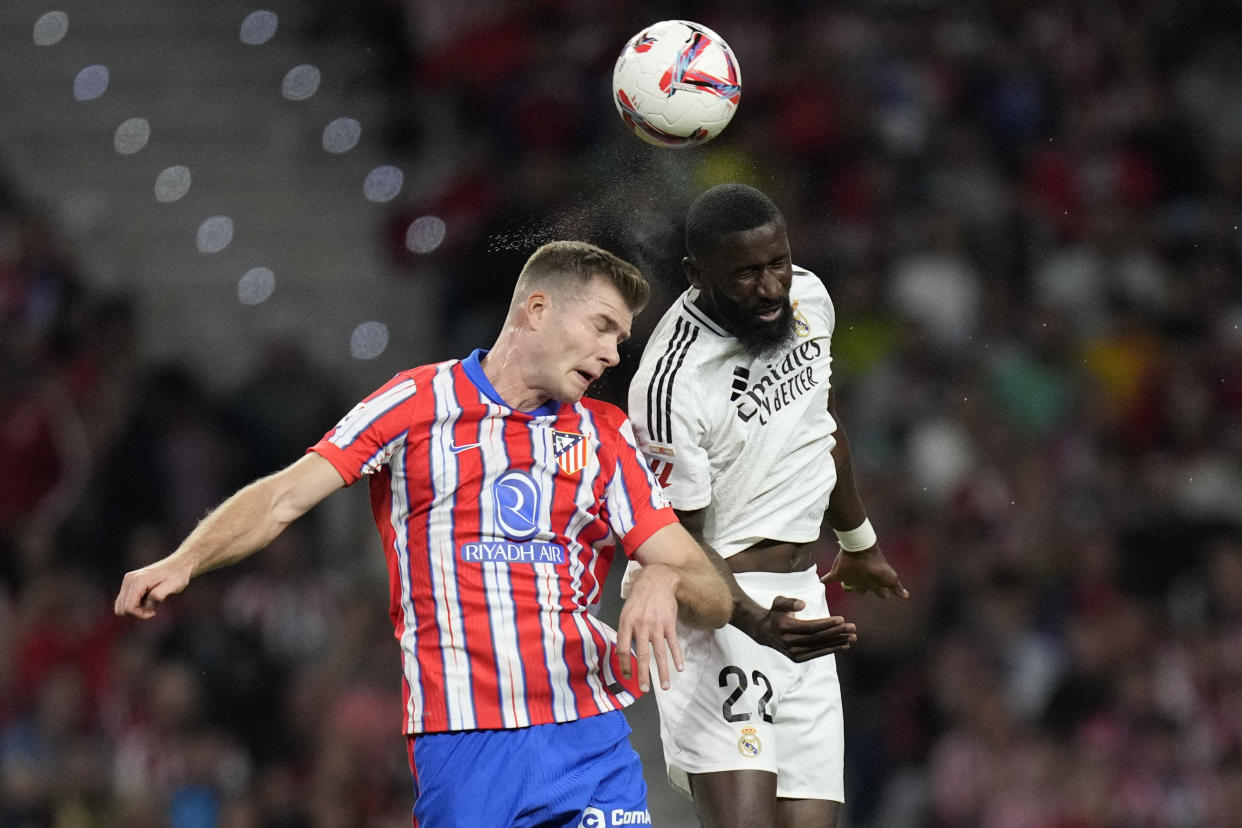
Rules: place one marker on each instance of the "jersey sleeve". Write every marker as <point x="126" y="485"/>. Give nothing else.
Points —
<point x="818" y="294"/>
<point x="369" y="434"/>
<point x="673" y="436"/>
<point x="635" y="505"/>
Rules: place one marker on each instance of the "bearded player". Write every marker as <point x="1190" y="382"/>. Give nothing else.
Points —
<point x="735" y="412"/>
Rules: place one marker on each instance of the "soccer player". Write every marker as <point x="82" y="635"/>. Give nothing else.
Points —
<point x="501" y="496"/>
<point x="734" y="409"/>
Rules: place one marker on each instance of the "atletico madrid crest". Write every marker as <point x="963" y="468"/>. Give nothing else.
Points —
<point x="570" y="449"/>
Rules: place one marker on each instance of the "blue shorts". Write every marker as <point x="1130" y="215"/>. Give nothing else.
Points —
<point x="579" y="773"/>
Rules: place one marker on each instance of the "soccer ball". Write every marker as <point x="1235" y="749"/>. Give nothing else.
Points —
<point x="676" y="84"/>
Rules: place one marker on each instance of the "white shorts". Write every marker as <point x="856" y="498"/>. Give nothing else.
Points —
<point x="743" y="706"/>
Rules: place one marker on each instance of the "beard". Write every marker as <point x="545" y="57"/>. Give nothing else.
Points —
<point x="764" y="340"/>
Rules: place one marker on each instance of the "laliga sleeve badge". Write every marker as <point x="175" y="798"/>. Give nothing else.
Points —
<point x="801" y="326"/>
<point x="749" y="745"/>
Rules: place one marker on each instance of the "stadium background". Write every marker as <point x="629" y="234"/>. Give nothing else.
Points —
<point x="219" y="228"/>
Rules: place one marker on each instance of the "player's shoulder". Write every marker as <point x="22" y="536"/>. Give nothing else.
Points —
<point x="604" y="413"/>
<point x="810" y="295"/>
<point x="610" y="424"/>
<point x="684" y="334"/>
<point x="807" y="283"/>
<point x="410" y="382"/>
<point x="420" y="376"/>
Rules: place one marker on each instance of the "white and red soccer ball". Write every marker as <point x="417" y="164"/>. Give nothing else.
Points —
<point x="676" y="84"/>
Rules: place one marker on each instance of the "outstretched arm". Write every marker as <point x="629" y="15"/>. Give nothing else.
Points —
<point x="241" y="525"/>
<point x="860" y="565"/>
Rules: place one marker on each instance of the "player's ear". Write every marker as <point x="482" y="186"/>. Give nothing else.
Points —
<point x="536" y="307"/>
<point x="693" y="276"/>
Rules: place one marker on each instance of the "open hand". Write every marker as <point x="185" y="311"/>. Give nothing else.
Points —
<point x="648" y="625"/>
<point x="798" y="639"/>
<point x="866" y="571"/>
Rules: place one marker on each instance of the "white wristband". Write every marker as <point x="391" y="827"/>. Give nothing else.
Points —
<point x="857" y="539"/>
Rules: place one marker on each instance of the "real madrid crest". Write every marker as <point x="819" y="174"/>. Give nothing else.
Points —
<point x="749" y="745"/>
<point x="801" y="326"/>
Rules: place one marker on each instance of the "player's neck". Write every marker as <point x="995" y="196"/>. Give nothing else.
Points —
<point x="504" y="369"/>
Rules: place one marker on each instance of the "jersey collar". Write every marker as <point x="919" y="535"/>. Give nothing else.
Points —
<point x="696" y="313"/>
<point x="474" y="370"/>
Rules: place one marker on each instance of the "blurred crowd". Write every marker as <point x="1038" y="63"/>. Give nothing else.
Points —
<point x="1028" y="217"/>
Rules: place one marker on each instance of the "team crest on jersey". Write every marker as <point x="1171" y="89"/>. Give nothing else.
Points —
<point x="570" y="449"/>
<point x="801" y="326"/>
<point x="749" y="745"/>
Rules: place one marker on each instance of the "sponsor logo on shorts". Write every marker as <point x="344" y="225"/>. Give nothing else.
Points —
<point x="749" y="745"/>
<point x="595" y="818"/>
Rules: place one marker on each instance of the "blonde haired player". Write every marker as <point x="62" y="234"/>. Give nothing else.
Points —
<point x="501" y="496"/>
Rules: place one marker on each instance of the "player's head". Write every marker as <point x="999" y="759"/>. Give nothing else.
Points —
<point x="572" y="307"/>
<point x="568" y="267"/>
<point x="739" y="259"/>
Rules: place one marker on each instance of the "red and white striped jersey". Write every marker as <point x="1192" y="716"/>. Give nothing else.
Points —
<point x="499" y="527"/>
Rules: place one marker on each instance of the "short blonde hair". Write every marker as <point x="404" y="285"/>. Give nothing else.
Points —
<point x="571" y="265"/>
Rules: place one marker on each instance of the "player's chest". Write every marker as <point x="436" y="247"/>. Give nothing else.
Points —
<point x="473" y="450"/>
<point x="753" y="393"/>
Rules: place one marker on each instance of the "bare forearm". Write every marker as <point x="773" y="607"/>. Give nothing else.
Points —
<point x="240" y="526"/>
<point x="845" y="506"/>
<point x="744" y="611"/>
<point x="703" y="597"/>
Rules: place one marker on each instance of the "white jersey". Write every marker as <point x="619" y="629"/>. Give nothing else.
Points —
<point x="746" y="439"/>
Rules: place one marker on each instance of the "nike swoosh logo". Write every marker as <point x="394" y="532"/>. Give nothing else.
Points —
<point x="456" y="449"/>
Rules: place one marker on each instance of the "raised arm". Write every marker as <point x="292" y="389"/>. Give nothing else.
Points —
<point x="244" y="523"/>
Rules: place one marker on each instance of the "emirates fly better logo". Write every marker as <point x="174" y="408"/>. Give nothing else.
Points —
<point x="784" y="381"/>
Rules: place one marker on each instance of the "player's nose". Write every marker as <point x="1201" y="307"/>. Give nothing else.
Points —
<point x="609" y="355"/>
<point x="771" y="285"/>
